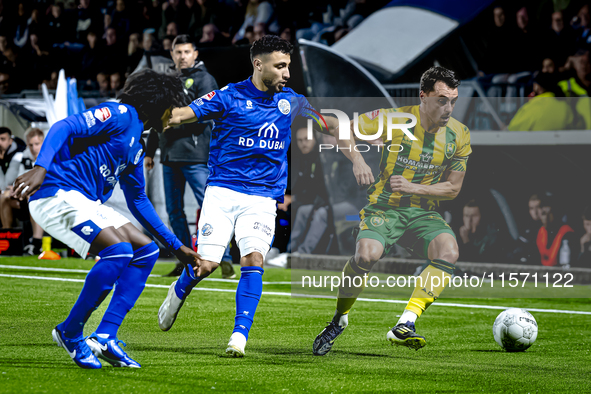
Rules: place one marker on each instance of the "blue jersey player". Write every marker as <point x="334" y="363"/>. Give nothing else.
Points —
<point x="247" y="176"/>
<point x="82" y="159"/>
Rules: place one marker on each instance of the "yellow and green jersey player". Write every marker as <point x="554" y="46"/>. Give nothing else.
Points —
<point x="414" y="176"/>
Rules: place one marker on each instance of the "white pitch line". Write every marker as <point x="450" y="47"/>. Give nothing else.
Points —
<point x="76" y="271"/>
<point x="316" y="296"/>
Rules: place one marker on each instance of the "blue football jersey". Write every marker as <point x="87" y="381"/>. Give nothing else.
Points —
<point x="250" y="137"/>
<point x="90" y="152"/>
<point x="101" y="143"/>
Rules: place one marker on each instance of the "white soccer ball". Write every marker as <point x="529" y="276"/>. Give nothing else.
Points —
<point x="515" y="329"/>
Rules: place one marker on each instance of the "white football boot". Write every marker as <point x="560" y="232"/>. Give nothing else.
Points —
<point x="169" y="309"/>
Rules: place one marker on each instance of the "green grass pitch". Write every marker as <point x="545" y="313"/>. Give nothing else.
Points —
<point x="461" y="355"/>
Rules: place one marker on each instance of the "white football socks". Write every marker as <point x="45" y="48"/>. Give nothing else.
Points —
<point x="407" y="316"/>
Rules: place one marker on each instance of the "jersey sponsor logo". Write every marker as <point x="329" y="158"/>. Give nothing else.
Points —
<point x="450" y="149"/>
<point x="122" y="109"/>
<point x="207" y="229"/>
<point x="208" y="96"/>
<point x="426" y="157"/>
<point x="268" y="138"/>
<point x="106" y="173"/>
<point x="284" y="106"/>
<point x="248" y="104"/>
<point x="102" y="114"/>
<point x="372" y="114"/>
<point x="268" y="128"/>
<point x="137" y="156"/>
<point x="419" y="167"/>
<point x="90" y="121"/>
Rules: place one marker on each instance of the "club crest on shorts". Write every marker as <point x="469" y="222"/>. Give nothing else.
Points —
<point x="450" y="149"/>
<point x="376" y="221"/>
<point x="207" y="229"/>
<point x="284" y="106"/>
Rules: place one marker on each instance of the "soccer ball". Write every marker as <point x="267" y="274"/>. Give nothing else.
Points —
<point x="515" y="329"/>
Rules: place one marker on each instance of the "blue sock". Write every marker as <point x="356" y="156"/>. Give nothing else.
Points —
<point x="248" y="294"/>
<point x="128" y="289"/>
<point x="186" y="282"/>
<point x="98" y="284"/>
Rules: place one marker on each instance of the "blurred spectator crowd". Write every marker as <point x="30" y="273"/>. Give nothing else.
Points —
<point x="551" y="37"/>
<point x="100" y="42"/>
<point x="547" y="236"/>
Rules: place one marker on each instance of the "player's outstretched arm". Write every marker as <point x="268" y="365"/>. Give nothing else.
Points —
<point x="446" y="190"/>
<point x="28" y="183"/>
<point x="361" y="170"/>
<point x="181" y="116"/>
<point x="133" y="186"/>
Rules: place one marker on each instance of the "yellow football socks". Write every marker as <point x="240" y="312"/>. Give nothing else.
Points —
<point x="352" y="285"/>
<point x="429" y="286"/>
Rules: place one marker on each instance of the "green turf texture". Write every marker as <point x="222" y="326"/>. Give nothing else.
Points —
<point x="460" y="356"/>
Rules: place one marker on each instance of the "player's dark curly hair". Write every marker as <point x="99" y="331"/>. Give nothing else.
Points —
<point x="268" y="44"/>
<point x="152" y="93"/>
<point x="435" y="74"/>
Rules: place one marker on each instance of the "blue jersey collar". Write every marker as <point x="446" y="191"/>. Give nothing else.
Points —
<point x="256" y="92"/>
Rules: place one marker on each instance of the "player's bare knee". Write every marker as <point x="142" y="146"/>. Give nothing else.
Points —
<point x="368" y="253"/>
<point x="444" y="247"/>
<point x="252" y="251"/>
<point x="207" y="267"/>
<point x="254" y="259"/>
<point x="211" y="255"/>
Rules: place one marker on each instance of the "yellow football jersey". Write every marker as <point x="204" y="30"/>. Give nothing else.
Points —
<point x="423" y="160"/>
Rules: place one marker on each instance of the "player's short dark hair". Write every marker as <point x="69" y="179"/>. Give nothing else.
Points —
<point x="5" y="130"/>
<point x="269" y="44"/>
<point x="183" y="39"/>
<point x="151" y="94"/>
<point x="438" y="74"/>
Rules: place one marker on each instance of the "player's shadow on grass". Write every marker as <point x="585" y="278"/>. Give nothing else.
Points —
<point x="41" y="345"/>
<point x="364" y="354"/>
<point x="38" y="363"/>
<point x="197" y="350"/>
<point x="488" y="350"/>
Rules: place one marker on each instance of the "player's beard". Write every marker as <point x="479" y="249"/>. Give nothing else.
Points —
<point x="271" y="85"/>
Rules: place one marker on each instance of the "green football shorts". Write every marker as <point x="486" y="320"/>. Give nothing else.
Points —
<point x="411" y="228"/>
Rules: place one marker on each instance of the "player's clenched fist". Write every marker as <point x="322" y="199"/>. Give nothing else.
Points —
<point x="175" y="118"/>
<point x="179" y="116"/>
<point x="398" y="183"/>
